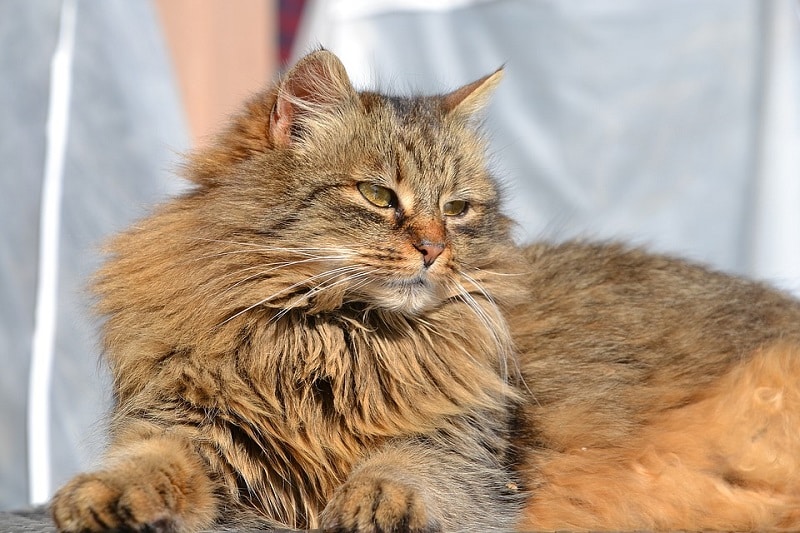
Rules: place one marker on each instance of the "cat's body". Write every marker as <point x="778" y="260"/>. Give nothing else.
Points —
<point x="335" y="329"/>
<point x="666" y="395"/>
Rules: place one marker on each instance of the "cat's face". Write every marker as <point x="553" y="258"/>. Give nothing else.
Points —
<point x="378" y="200"/>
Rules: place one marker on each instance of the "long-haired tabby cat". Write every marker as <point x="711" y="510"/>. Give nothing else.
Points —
<point x="334" y="329"/>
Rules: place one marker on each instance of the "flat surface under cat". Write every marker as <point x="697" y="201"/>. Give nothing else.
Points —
<point x="334" y="329"/>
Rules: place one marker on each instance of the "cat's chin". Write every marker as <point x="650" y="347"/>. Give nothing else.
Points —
<point x="410" y="297"/>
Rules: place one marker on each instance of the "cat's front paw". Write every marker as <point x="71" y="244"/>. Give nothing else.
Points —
<point x="101" y="502"/>
<point x="152" y="485"/>
<point x="374" y="504"/>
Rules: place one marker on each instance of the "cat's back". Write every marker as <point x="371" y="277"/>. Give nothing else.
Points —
<point x="657" y="388"/>
<point x="599" y="311"/>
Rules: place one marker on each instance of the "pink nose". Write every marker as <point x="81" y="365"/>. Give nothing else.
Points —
<point x="430" y="251"/>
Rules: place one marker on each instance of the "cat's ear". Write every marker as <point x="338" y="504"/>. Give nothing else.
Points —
<point x="271" y="118"/>
<point x="317" y="82"/>
<point x="473" y="97"/>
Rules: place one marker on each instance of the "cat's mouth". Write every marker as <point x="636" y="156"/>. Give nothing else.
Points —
<point x="408" y="295"/>
<point x="415" y="282"/>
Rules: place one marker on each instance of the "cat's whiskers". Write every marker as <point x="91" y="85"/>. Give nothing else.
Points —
<point x="494" y="322"/>
<point x="363" y="274"/>
<point x="358" y="272"/>
<point x="489" y="324"/>
<point x="476" y="269"/>
<point x="504" y="274"/>
<point x="473" y="303"/>
<point x="265" y="251"/>
<point x="276" y="266"/>
<point x="273" y="296"/>
<point x="494" y="326"/>
<point x="290" y="249"/>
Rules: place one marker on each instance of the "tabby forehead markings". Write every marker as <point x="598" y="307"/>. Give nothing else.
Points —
<point x="414" y="151"/>
<point x="431" y="175"/>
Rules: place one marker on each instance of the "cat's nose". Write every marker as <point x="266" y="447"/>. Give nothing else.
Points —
<point x="430" y="251"/>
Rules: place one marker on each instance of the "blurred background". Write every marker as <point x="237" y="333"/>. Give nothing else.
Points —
<point x="673" y="125"/>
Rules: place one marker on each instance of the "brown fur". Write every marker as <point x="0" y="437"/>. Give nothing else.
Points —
<point x="665" y="395"/>
<point x="283" y="354"/>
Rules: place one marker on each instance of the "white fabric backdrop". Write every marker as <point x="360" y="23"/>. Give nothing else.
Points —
<point x="124" y="131"/>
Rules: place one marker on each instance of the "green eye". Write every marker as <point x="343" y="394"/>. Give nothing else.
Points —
<point x="377" y="195"/>
<point x="455" y="208"/>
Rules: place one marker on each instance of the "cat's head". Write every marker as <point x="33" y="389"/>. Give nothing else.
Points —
<point x="335" y="196"/>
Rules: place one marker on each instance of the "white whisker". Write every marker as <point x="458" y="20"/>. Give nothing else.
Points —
<point x="276" y="266"/>
<point x="359" y="272"/>
<point x="332" y="272"/>
<point x="269" y="251"/>
<point x="493" y="272"/>
<point x="491" y="324"/>
<point x="495" y="325"/>
<point x="293" y="249"/>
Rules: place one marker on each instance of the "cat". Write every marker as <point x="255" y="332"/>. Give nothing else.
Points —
<point x="335" y="329"/>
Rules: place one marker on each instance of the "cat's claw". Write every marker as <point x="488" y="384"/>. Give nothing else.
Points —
<point x="378" y="505"/>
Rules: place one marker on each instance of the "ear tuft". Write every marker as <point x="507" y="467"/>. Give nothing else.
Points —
<point x="269" y="119"/>
<point x="317" y="82"/>
<point x="473" y="97"/>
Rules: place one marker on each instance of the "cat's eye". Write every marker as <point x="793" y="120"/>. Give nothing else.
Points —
<point x="377" y="195"/>
<point x="455" y="208"/>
